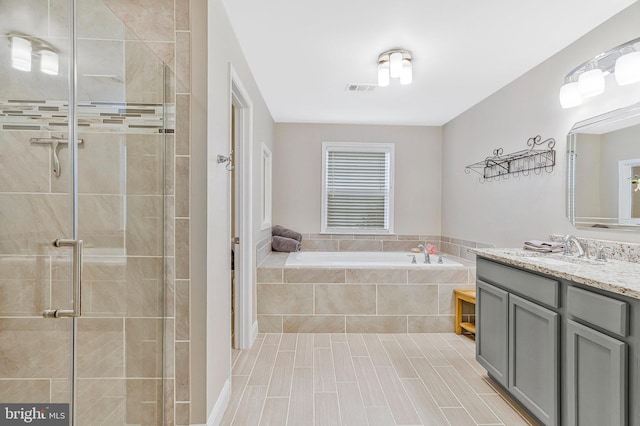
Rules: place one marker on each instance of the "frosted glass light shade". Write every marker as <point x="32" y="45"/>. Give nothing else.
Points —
<point x="591" y="83"/>
<point x="49" y="62"/>
<point x="21" y="54"/>
<point x="627" y="68"/>
<point x="395" y="64"/>
<point x="406" y="77"/>
<point x="570" y="95"/>
<point x="383" y="74"/>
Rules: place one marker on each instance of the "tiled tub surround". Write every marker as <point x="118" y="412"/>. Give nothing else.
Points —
<point x="614" y="276"/>
<point x="358" y="300"/>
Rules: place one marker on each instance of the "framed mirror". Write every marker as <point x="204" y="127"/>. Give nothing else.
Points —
<point x="603" y="173"/>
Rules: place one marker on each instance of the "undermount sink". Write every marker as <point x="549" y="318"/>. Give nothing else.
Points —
<point x="563" y="260"/>
<point x="550" y="261"/>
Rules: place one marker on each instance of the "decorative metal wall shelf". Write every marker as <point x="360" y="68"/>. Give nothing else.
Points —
<point x="538" y="158"/>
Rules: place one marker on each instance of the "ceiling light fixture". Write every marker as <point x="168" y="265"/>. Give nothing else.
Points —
<point x="588" y="79"/>
<point x="395" y="63"/>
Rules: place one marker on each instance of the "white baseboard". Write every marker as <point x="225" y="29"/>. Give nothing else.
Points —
<point x="215" y="418"/>
<point x="254" y="332"/>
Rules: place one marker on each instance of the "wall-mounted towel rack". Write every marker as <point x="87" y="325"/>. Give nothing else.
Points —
<point x="540" y="156"/>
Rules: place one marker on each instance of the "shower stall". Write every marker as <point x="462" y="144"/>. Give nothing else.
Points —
<point x="84" y="119"/>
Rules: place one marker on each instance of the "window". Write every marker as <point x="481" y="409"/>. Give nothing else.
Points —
<point x="357" y="189"/>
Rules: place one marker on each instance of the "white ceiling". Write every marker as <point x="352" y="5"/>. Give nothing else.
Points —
<point x="303" y="53"/>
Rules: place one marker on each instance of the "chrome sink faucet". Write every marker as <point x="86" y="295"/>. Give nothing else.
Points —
<point x="582" y="248"/>
<point x="425" y="250"/>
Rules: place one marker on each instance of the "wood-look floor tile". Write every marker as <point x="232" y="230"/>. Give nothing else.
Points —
<point x="433" y="354"/>
<point x="376" y="351"/>
<point x="356" y="345"/>
<point x="324" y="375"/>
<point x="470" y="375"/>
<point x="372" y="394"/>
<point x="436" y="385"/>
<point x="399" y="360"/>
<point x="280" y="385"/>
<point x="322" y="340"/>
<point x="272" y="338"/>
<point x="237" y="389"/>
<point x="261" y="373"/>
<point x="425" y="405"/>
<point x="504" y="411"/>
<point x="301" y="401"/>
<point x="401" y="407"/>
<point x="343" y="363"/>
<point x="338" y="337"/>
<point x="275" y="412"/>
<point x="288" y="342"/>
<point x="247" y="359"/>
<point x="476" y="407"/>
<point x="386" y="336"/>
<point x="351" y="406"/>
<point x="250" y="407"/>
<point x="327" y="411"/>
<point x="458" y="417"/>
<point x="304" y="350"/>
<point x="408" y="346"/>
<point x="379" y="416"/>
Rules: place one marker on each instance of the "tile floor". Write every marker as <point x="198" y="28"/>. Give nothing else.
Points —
<point x="365" y="379"/>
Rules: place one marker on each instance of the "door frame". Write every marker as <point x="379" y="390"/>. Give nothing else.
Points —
<point x="246" y="330"/>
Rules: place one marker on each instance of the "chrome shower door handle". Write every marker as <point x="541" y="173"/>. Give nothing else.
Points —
<point x="76" y="310"/>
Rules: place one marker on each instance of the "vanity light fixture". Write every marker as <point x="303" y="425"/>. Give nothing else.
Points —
<point x="588" y="79"/>
<point x="21" y="53"/>
<point x="49" y="62"/>
<point x="395" y="63"/>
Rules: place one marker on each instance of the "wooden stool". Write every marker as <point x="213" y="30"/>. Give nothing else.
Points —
<point x="464" y="296"/>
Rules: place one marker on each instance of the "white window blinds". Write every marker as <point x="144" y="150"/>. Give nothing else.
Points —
<point x="357" y="187"/>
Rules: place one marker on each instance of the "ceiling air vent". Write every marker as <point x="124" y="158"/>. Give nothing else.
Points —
<point x="360" y="87"/>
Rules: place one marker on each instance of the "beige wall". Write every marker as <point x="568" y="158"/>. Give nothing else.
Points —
<point x="297" y="173"/>
<point x="507" y="212"/>
<point x="222" y="49"/>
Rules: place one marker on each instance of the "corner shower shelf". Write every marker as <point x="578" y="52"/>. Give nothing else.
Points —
<point x="540" y="156"/>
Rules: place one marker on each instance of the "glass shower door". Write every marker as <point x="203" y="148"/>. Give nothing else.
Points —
<point x="107" y="364"/>
<point x="36" y="353"/>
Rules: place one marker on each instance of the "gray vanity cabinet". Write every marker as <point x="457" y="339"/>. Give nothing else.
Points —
<point x="491" y="323"/>
<point x="533" y="357"/>
<point x="596" y="378"/>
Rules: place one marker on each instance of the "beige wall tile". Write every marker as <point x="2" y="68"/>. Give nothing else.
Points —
<point x="360" y="245"/>
<point x="183" y="416"/>
<point x="269" y="275"/>
<point x="320" y="245"/>
<point x="100" y="347"/>
<point x="183" y="15"/>
<point x="313" y="324"/>
<point x="26" y="279"/>
<point x="399" y="245"/>
<point x="411" y="238"/>
<point x="144" y="71"/>
<point x="182" y="186"/>
<point x="407" y="299"/>
<point x="345" y="299"/>
<point x="305" y="275"/>
<point x="182" y="309"/>
<point x="103" y="400"/>
<point x="183" y="392"/>
<point x="144" y="287"/>
<point x="143" y="347"/>
<point x="377" y="276"/>
<point x="28" y="169"/>
<point x="35" y="348"/>
<point x="22" y="391"/>
<point x="144" y="225"/>
<point x="183" y="62"/>
<point x="183" y="128"/>
<point x="431" y="324"/>
<point x="285" y="298"/>
<point x="446" y="299"/>
<point x="144" y="162"/>
<point x="138" y="13"/>
<point x="439" y="276"/>
<point x="169" y="403"/>
<point x="376" y="324"/>
<point x="170" y="349"/>
<point x="144" y="402"/>
<point x="270" y="323"/>
<point x="169" y="169"/>
<point x="182" y="249"/>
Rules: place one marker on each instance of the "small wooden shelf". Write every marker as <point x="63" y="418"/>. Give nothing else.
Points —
<point x="468" y="296"/>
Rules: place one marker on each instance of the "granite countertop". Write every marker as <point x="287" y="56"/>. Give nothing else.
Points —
<point x="613" y="275"/>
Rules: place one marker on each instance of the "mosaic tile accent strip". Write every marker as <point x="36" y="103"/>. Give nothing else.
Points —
<point x="93" y="116"/>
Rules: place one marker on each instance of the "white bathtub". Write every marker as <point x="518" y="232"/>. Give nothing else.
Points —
<point x="358" y="259"/>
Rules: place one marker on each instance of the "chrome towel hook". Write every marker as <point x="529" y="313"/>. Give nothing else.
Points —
<point x="229" y="160"/>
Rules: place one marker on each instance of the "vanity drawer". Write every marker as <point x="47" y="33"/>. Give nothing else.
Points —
<point x="604" y="312"/>
<point x="535" y="287"/>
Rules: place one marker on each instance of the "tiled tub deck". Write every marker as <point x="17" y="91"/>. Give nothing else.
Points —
<point x="358" y="300"/>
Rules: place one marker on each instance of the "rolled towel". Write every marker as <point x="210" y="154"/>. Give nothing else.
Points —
<point x="281" y="231"/>
<point x="544" y="246"/>
<point x="285" y="244"/>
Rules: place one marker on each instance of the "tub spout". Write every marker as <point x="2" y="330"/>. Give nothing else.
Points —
<point x="427" y="258"/>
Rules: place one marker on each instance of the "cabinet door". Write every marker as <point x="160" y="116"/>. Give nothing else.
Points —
<point x="596" y="378"/>
<point x="491" y="330"/>
<point x="533" y="358"/>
